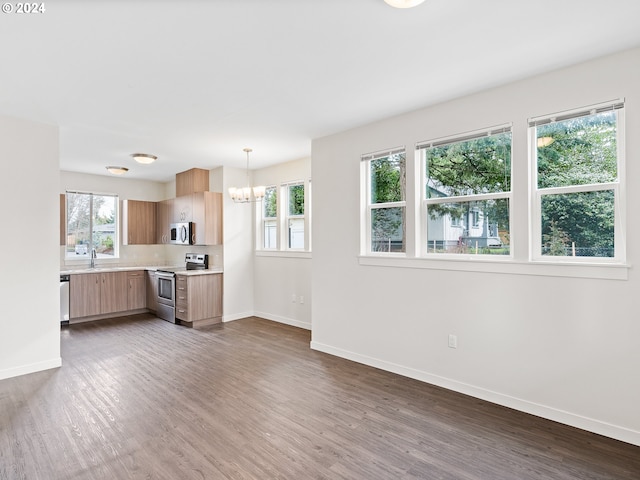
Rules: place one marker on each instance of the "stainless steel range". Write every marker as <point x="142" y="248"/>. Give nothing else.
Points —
<point x="166" y="277"/>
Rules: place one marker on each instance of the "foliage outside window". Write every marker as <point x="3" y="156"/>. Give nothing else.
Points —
<point x="386" y="201"/>
<point x="577" y="184"/>
<point x="295" y="216"/>
<point x="467" y="193"/>
<point x="92" y="223"/>
<point x="270" y="219"/>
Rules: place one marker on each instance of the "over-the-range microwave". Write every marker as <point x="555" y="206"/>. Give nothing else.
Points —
<point x="182" y="233"/>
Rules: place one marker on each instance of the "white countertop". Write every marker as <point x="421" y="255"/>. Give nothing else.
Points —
<point x="104" y="269"/>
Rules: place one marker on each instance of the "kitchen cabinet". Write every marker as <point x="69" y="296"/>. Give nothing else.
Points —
<point x="192" y="181"/>
<point x="113" y="292"/>
<point x="84" y="295"/>
<point x="97" y="294"/>
<point x="199" y="299"/>
<point x="204" y="209"/>
<point x="182" y="209"/>
<point x="137" y="290"/>
<point x="152" y="290"/>
<point x="138" y="222"/>
<point x="164" y="219"/>
<point x="207" y="217"/>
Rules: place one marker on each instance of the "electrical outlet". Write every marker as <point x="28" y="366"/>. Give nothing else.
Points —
<point x="453" y="341"/>
<point x="301" y="299"/>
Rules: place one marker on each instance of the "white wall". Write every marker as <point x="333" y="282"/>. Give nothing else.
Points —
<point x="563" y="348"/>
<point x="30" y="298"/>
<point x="238" y="249"/>
<point x="279" y="277"/>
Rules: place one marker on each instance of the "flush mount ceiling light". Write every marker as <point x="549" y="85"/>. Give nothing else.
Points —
<point x="117" y="170"/>
<point x="403" y="3"/>
<point x="144" y="158"/>
<point x="247" y="194"/>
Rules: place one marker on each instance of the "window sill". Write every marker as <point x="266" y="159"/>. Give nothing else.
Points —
<point x="504" y="266"/>
<point x="283" y="253"/>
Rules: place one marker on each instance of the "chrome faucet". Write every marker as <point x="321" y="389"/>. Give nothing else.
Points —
<point x="93" y="258"/>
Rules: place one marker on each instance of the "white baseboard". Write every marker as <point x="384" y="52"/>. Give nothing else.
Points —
<point x="236" y="316"/>
<point x="285" y="320"/>
<point x="31" y="368"/>
<point x="550" y="413"/>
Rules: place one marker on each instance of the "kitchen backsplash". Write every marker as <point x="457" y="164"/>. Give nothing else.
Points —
<point x="148" y="255"/>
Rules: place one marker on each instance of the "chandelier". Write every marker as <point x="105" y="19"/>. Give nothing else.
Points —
<point x="247" y="194"/>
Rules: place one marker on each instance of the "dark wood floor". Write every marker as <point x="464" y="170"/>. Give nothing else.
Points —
<point x="142" y="398"/>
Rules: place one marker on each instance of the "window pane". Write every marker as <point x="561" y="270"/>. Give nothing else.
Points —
<point x="78" y="219"/>
<point x="270" y="234"/>
<point x="479" y="227"/>
<point x="388" y="179"/>
<point x="296" y="199"/>
<point x="296" y="232"/>
<point x="578" y="151"/>
<point x="270" y="202"/>
<point x="104" y="225"/>
<point x="480" y="165"/>
<point x="387" y="229"/>
<point x="578" y="224"/>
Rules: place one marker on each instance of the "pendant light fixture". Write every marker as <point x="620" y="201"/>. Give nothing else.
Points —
<point x="247" y="194"/>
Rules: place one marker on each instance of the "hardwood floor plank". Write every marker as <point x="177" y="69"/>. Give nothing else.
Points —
<point x="140" y="398"/>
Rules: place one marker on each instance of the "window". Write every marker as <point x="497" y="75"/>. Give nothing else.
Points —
<point x="467" y="191"/>
<point x="270" y="219"/>
<point x="386" y="203"/>
<point x="92" y="223"/>
<point x="295" y="216"/>
<point x="285" y="214"/>
<point x="576" y="203"/>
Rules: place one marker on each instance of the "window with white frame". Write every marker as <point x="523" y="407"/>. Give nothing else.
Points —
<point x="284" y="219"/>
<point x="577" y="167"/>
<point x="385" y="201"/>
<point x="295" y="216"/>
<point x="467" y="193"/>
<point x="270" y="219"/>
<point x="92" y="224"/>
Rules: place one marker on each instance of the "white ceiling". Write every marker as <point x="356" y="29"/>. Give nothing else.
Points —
<point x="195" y="82"/>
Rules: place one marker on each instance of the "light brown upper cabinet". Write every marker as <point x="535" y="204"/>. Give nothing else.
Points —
<point x="206" y="208"/>
<point x="164" y="219"/>
<point x="192" y="181"/>
<point x="138" y="222"/>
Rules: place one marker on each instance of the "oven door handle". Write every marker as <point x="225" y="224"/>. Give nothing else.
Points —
<point x="165" y="274"/>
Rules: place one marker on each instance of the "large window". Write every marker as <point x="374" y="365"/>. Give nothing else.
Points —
<point x="92" y="223"/>
<point x="576" y="184"/>
<point x="467" y="190"/>
<point x="386" y="203"/>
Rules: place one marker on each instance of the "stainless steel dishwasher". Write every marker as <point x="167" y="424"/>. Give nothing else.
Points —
<point x="64" y="298"/>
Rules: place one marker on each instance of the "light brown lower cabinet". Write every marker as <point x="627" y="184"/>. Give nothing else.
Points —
<point x="199" y="299"/>
<point x="92" y="294"/>
<point x="137" y="290"/>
